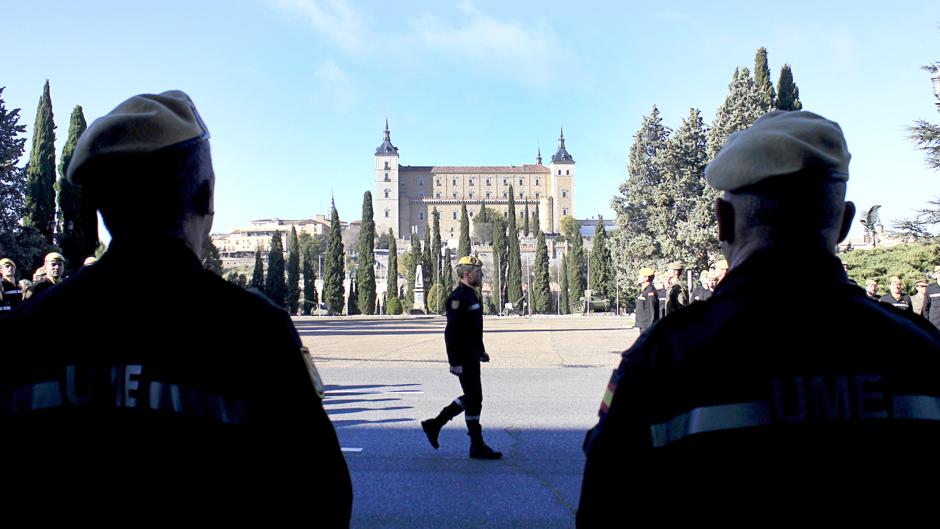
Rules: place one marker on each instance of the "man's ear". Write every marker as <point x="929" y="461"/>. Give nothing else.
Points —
<point x="724" y="211"/>
<point x="847" y="215"/>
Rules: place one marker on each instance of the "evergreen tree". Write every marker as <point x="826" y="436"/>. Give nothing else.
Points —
<point x="436" y="244"/>
<point x="576" y="271"/>
<point x="237" y="279"/>
<point x="500" y="260"/>
<point x="448" y="280"/>
<point x="40" y="173"/>
<point x="541" y="284"/>
<point x="535" y="220"/>
<point x="211" y="260"/>
<point x="464" y="248"/>
<point x="563" y="286"/>
<point x="293" y="272"/>
<point x="310" y="286"/>
<point x="12" y="178"/>
<point x="275" y="285"/>
<point x="257" y="276"/>
<point x="427" y="262"/>
<point x="695" y="239"/>
<point x="525" y="220"/>
<point x="391" y="291"/>
<point x="482" y="217"/>
<point x="366" y="274"/>
<point x="414" y="259"/>
<point x="762" y="80"/>
<point x="601" y="277"/>
<point x="514" y="264"/>
<point x="788" y="94"/>
<point x="78" y="221"/>
<point x="334" y="270"/>
<point x="740" y="110"/>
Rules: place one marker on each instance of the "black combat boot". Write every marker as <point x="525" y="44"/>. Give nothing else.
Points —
<point x="432" y="427"/>
<point x="479" y="449"/>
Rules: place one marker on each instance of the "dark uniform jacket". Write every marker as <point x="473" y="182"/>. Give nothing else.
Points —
<point x="647" y="307"/>
<point x="39" y="287"/>
<point x="904" y="303"/>
<point x="732" y="404"/>
<point x="931" y="309"/>
<point x="678" y="297"/>
<point x="187" y="395"/>
<point x="463" y="335"/>
<point x="701" y="293"/>
<point x="662" y="295"/>
<point x="10" y="296"/>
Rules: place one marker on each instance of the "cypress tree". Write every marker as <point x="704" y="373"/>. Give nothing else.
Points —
<point x="293" y="272"/>
<point x="464" y="248"/>
<point x="739" y="111"/>
<point x="762" y="80"/>
<point x="427" y="263"/>
<point x="414" y="259"/>
<point x="275" y="285"/>
<point x="525" y="220"/>
<point x="563" y="286"/>
<point x="366" y="274"/>
<point x="436" y="244"/>
<point x="40" y="173"/>
<point x="499" y="263"/>
<point x="310" y="285"/>
<point x="334" y="270"/>
<point x="576" y="271"/>
<point x="535" y="220"/>
<point x="211" y="260"/>
<point x="482" y="216"/>
<point x="514" y="280"/>
<point x="788" y="94"/>
<point x="601" y="275"/>
<point x="391" y="290"/>
<point x="448" y="274"/>
<point x="78" y="222"/>
<point x="541" y="286"/>
<point x="257" y="276"/>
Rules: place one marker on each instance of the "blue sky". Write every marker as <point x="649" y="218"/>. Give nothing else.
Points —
<point x="295" y="92"/>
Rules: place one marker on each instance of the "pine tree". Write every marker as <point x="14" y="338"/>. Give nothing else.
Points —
<point x="366" y="274"/>
<point x="576" y="271"/>
<point x="762" y="80"/>
<point x="275" y="285"/>
<point x="541" y="284"/>
<point x="12" y="178"/>
<point x="310" y="285"/>
<point x="78" y="221"/>
<point x="514" y="264"/>
<point x="211" y="260"/>
<point x="740" y="110"/>
<point x="535" y="220"/>
<point x="257" y="276"/>
<point x="563" y="286"/>
<point x="293" y="272"/>
<point x="525" y="220"/>
<point x="334" y="270"/>
<point x="463" y="247"/>
<point x="788" y="94"/>
<point x="391" y="290"/>
<point x="601" y="277"/>
<point x="40" y="173"/>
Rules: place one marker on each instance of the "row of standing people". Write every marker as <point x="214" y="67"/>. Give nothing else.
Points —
<point x="14" y="291"/>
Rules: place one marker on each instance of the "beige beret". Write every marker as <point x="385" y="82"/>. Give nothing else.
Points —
<point x="53" y="256"/>
<point x="676" y="265"/>
<point x="141" y="125"/>
<point x="780" y="143"/>
<point x="7" y="260"/>
<point x="646" y="272"/>
<point x="722" y="264"/>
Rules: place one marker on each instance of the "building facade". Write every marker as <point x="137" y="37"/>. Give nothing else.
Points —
<point x="405" y="196"/>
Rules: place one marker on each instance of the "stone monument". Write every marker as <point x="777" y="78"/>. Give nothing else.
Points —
<point x="418" y="307"/>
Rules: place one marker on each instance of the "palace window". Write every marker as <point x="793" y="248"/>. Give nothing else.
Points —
<point x="421" y="182"/>
<point x="520" y="181"/>
<point x="487" y="194"/>
<point x="454" y="181"/>
<point x="567" y="172"/>
<point x="438" y="182"/>
<point x="488" y="181"/>
<point x="471" y="181"/>
<point x="386" y="212"/>
<point x="564" y="212"/>
<point x="536" y="181"/>
<point x="471" y="195"/>
<point x="521" y="194"/>
<point x="420" y="215"/>
<point x="471" y="214"/>
<point x="454" y="214"/>
<point x="386" y="193"/>
<point x="505" y="181"/>
<point x="559" y="172"/>
<point x="536" y="196"/>
<point x="564" y="193"/>
<point x="438" y="196"/>
<point x="387" y="179"/>
<point x="505" y="193"/>
<point x="386" y="166"/>
<point x="455" y="195"/>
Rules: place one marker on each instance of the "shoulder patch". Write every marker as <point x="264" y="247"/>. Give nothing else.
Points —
<point x="312" y="371"/>
<point x="454" y="304"/>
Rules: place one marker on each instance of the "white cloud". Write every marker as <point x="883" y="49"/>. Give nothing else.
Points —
<point x="338" y="20"/>
<point x="335" y="86"/>
<point x="527" y="53"/>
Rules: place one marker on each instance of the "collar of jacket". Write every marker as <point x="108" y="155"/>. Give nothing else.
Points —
<point x="164" y="250"/>
<point x="825" y="269"/>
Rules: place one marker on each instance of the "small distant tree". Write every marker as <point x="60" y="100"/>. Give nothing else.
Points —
<point x="211" y="260"/>
<point x="275" y="285"/>
<point x="257" y="276"/>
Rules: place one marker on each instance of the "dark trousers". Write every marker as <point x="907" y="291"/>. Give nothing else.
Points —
<point x="472" y="397"/>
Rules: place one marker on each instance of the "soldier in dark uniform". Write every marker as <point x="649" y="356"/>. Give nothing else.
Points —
<point x="896" y="297"/>
<point x="193" y="399"/>
<point x="53" y="267"/>
<point x="702" y="292"/>
<point x="678" y="294"/>
<point x="931" y="308"/>
<point x="661" y="295"/>
<point x="463" y="337"/>
<point x="647" y="304"/>
<point x="725" y="405"/>
<point x="10" y="293"/>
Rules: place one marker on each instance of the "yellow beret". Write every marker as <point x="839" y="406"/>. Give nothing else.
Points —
<point x="53" y="256"/>
<point x="676" y="265"/>
<point x="721" y="265"/>
<point x="89" y="261"/>
<point x="871" y="282"/>
<point x="923" y="282"/>
<point x="141" y="125"/>
<point x="646" y="272"/>
<point x="780" y="143"/>
<point x="894" y="279"/>
<point x="469" y="260"/>
<point x="7" y="260"/>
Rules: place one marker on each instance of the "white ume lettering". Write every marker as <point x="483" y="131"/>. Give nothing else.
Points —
<point x="829" y="398"/>
<point x="120" y="386"/>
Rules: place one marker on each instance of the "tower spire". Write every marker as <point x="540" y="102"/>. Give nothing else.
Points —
<point x="538" y="158"/>
<point x="388" y="134"/>
<point x="561" y="139"/>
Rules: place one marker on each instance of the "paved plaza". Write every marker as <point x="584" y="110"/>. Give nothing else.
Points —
<point x="541" y="393"/>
